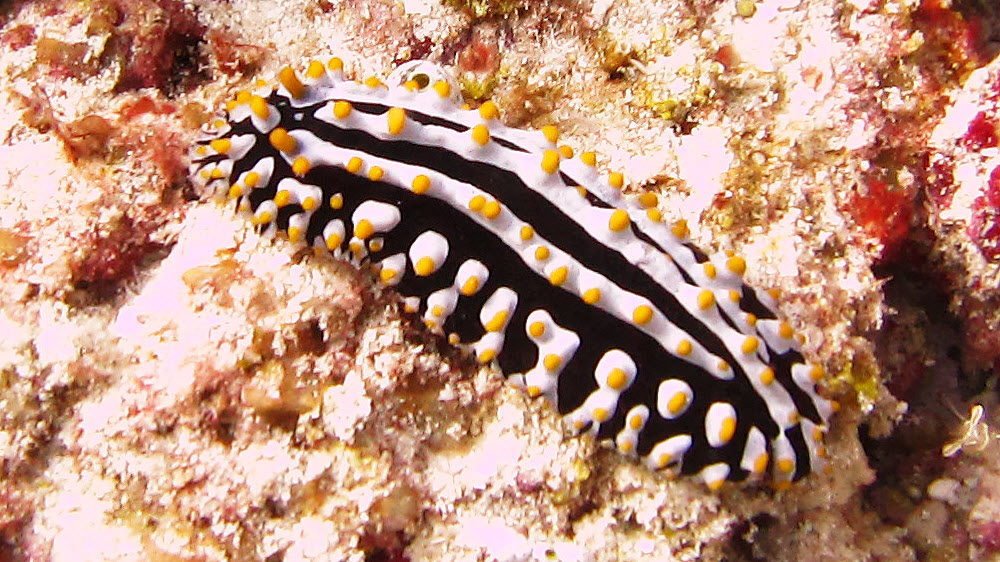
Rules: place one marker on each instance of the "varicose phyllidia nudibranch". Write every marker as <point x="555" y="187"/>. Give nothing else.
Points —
<point x="501" y="239"/>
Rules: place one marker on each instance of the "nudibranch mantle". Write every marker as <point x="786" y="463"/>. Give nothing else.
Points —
<point x="503" y="240"/>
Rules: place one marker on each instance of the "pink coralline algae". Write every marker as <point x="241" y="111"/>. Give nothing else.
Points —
<point x="964" y="172"/>
<point x="984" y="226"/>
<point x="962" y="183"/>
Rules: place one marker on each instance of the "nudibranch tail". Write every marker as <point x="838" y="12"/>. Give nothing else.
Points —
<point x="522" y="251"/>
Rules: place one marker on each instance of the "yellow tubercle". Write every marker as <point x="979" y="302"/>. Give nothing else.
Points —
<point x="356" y="248"/>
<point x="642" y="314"/>
<point x="619" y="220"/>
<point x="491" y="209"/>
<point x="706" y="299"/>
<point x="550" y="161"/>
<point x="476" y="203"/>
<point x="354" y="165"/>
<point x="736" y="265"/>
<point x="566" y="151"/>
<point x="617" y="180"/>
<point x="264" y="217"/>
<point x="677" y="403"/>
<point x="648" y="199"/>
<point x="442" y="88"/>
<point x="315" y="70"/>
<point x="760" y="463"/>
<point x="281" y="140"/>
<point x="589" y="158"/>
<point x="592" y="296"/>
<point x="342" y="109"/>
<point x="750" y="345"/>
<point x="336" y="201"/>
<point x="301" y="166"/>
<point x="498" y="322"/>
<point x="486" y="355"/>
<point x="364" y="229"/>
<point x="282" y="198"/>
<point x="559" y="275"/>
<point x="375" y="173"/>
<point x="715" y="485"/>
<point x="335" y="64"/>
<point x="527" y="232"/>
<point x="489" y="110"/>
<point x="684" y="348"/>
<point x="786" y="331"/>
<point x="397" y="117"/>
<point x="291" y="82"/>
<point x="424" y="266"/>
<point x="259" y="107"/>
<point x="767" y="376"/>
<point x="536" y="329"/>
<point x="221" y="146"/>
<point x="552" y="362"/>
<point x="680" y="229"/>
<point x="481" y="134"/>
<point x="663" y="460"/>
<point x="710" y="270"/>
<point x="727" y="430"/>
<point x="470" y="287"/>
<point x="420" y="184"/>
<point x="616" y="379"/>
<point x="551" y="133"/>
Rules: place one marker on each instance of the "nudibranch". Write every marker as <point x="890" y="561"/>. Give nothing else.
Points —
<point x="509" y="245"/>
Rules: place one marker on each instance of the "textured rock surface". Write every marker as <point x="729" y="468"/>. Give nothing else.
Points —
<point x="173" y="387"/>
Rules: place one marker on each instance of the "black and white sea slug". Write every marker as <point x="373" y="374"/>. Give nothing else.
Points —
<point x="501" y="239"/>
